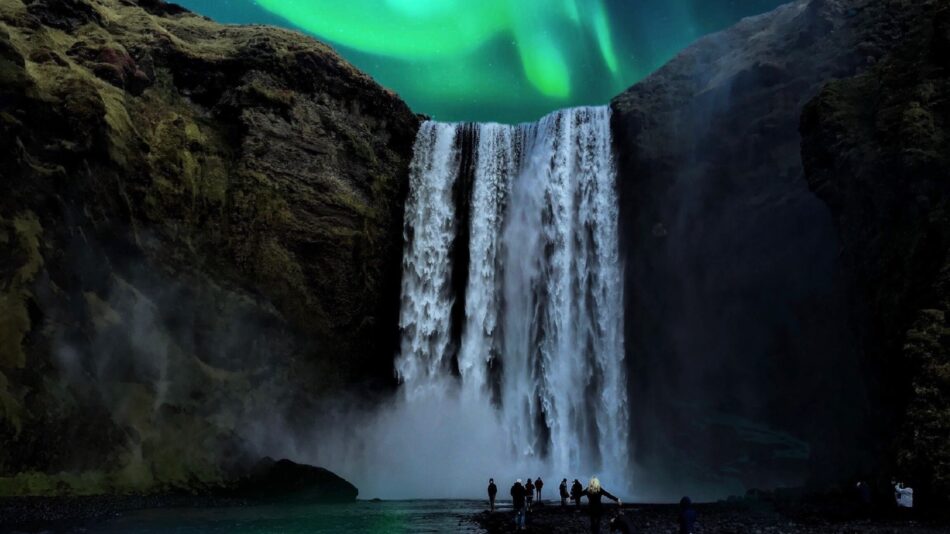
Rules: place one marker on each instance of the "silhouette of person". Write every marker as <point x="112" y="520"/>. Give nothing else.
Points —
<point x="594" y="493"/>
<point x="529" y="496"/>
<point x="518" y="503"/>
<point x="687" y="516"/>
<point x="576" y="490"/>
<point x="492" y="491"/>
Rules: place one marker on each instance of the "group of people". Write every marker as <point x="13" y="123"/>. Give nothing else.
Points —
<point x="523" y="495"/>
<point x="866" y="497"/>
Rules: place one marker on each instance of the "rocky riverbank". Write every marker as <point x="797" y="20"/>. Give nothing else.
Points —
<point x="725" y="517"/>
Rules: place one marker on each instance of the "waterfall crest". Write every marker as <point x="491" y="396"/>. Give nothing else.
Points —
<point x="534" y="328"/>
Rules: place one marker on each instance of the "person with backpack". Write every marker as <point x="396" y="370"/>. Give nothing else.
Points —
<point x="518" y="503"/>
<point x="576" y="490"/>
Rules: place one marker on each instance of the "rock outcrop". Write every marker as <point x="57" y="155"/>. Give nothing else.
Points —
<point x="746" y="353"/>
<point x="283" y="479"/>
<point x="201" y="227"/>
<point x="876" y="148"/>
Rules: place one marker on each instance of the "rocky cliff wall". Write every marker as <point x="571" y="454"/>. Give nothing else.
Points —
<point x="201" y="228"/>
<point x="749" y="364"/>
<point x="876" y="148"/>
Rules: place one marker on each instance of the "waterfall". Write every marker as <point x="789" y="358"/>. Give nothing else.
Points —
<point x="533" y="329"/>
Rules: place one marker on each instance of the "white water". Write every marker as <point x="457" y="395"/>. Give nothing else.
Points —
<point x="540" y="381"/>
<point x="543" y="291"/>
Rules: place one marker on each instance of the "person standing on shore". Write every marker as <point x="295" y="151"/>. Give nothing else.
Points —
<point x="595" y="507"/>
<point x="492" y="491"/>
<point x="529" y="494"/>
<point x="538" y="484"/>
<point x="903" y="495"/>
<point x="517" y="502"/>
<point x="562" y="489"/>
<point x="687" y="516"/>
<point x="576" y="490"/>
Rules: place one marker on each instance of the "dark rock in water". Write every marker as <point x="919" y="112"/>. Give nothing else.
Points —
<point x="283" y="479"/>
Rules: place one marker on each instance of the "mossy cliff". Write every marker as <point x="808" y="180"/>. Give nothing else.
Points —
<point x="200" y="225"/>
<point x="876" y="148"/>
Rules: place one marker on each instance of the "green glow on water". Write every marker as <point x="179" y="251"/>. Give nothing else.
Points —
<point x="502" y="60"/>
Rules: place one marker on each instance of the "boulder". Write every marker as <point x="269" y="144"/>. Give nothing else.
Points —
<point x="283" y="479"/>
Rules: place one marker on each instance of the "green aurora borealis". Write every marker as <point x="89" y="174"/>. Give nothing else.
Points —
<point x="497" y="60"/>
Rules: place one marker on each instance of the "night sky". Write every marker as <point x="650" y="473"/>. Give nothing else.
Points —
<point x="497" y="60"/>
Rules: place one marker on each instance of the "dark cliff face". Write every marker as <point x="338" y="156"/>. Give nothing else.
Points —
<point x="201" y="226"/>
<point x="876" y="148"/>
<point x="747" y="361"/>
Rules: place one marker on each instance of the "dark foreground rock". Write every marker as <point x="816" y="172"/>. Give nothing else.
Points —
<point x="726" y="518"/>
<point x="281" y="479"/>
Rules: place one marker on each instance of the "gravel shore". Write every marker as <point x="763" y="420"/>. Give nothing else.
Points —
<point x="726" y="518"/>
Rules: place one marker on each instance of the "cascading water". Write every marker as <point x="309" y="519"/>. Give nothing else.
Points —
<point x="539" y="346"/>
